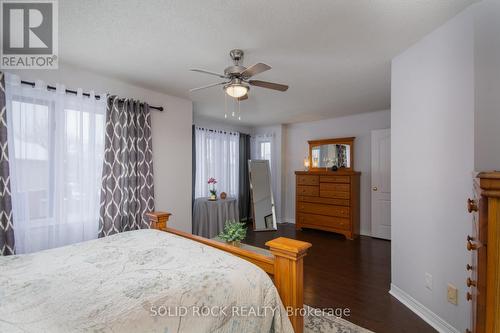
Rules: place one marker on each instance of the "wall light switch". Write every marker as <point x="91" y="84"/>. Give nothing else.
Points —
<point x="452" y="294"/>
<point x="428" y="281"/>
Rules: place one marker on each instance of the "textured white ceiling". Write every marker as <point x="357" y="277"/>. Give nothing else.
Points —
<point x="334" y="54"/>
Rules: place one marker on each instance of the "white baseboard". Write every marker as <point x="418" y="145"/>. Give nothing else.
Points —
<point x="427" y="315"/>
<point x="365" y="233"/>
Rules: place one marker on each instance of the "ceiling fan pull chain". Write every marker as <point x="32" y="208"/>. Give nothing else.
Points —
<point x="233" y="107"/>
<point x="225" y="106"/>
<point x="239" y="109"/>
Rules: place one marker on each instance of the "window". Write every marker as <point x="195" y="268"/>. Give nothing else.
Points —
<point x="33" y="146"/>
<point x="217" y="156"/>
<point x="56" y="141"/>
<point x="265" y="150"/>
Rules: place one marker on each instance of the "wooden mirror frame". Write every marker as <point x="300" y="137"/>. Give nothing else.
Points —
<point x="341" y="141"/>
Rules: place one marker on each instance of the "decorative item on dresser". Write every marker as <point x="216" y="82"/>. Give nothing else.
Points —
<point x="326" y="199"/>
<point x="484" y="245"/>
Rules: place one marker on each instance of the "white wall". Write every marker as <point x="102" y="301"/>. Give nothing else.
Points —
<point x="359" y="126"/>
<point x="487" y="80"/>
<point x="171" y="135"/>
<point x="432" y="116"/>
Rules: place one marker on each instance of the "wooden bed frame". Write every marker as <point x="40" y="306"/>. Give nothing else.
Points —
<point x="286" y="266"/>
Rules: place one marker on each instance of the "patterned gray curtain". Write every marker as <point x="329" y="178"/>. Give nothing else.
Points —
<point x="6" y="226"/>
<point x="127" y="191"/>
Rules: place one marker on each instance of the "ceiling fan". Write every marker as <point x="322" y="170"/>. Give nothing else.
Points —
<point x="237" y="77"/>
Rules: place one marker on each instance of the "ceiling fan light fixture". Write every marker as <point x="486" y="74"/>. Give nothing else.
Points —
<point x="236" y="90"/>
<point x="238" y="77"/>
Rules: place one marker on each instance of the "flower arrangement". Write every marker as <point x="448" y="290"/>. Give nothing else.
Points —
<point x="213" y="192"/>
<point x="234" y="232"/>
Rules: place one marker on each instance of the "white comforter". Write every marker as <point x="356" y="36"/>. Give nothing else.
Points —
<point x="138" y="281"/>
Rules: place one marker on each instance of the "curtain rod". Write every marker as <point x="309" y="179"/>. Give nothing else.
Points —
<point x="217" y="131"/>
<point x="159" y="108"/>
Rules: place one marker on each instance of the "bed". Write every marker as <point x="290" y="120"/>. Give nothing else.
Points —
<point x="156" y="280"/>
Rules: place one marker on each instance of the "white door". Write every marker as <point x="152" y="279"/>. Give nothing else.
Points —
<point x="381" y="184"/>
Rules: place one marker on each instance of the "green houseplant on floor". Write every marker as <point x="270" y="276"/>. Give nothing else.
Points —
<point x="234" y="232"/>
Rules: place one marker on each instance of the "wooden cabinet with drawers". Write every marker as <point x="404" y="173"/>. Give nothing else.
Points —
<point x="483" y="281"/>
<point x="328" y="200"/>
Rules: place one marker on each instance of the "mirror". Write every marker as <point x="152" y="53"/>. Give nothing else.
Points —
<point x="332" y="152"/>
<point x="264" y="216"/>
<point x="326" y="156"/>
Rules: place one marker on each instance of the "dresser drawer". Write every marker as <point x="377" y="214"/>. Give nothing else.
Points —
<point x="308" y="190"/>
<point x="321" y="209"/>
<point x="328" y="201"/>
<point x="334" y="187"/>
<point x="307" y="180"/>
<point x="334" y="194"/>
<point x="323" y="221"/>
<point x="335" y="179"/>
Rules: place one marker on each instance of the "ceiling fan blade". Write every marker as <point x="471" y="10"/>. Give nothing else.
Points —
<point x="255" y="69"/>
<point x="207" y="86"/>
<point x="207" y="72"/>
<point x="269" y="85"/>
<point x="242" y="98"/>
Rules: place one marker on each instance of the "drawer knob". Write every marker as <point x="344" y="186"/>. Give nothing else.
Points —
<point x="471" y="283"/>
<point x="469" y="267"/>
<point x="375" y="188"/>
<point x="471" y="205"/>
<point x="471" y="246"/>
<point x="469" y="296"/>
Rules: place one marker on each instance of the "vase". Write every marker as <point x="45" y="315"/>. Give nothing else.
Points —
<point x="235" y="243"/>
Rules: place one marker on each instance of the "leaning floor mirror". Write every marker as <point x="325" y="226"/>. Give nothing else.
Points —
<point x="264" y="215"/>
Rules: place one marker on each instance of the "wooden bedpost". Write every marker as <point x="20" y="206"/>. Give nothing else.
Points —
<point x="289" y="276"/>
<point x="158" y="220"/>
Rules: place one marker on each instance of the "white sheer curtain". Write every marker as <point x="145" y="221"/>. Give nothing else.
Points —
<point x="217" y="155"/>
<point x="56" y="145"/>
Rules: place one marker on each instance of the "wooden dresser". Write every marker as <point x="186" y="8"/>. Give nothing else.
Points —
<point x="328" y="200"/>
<point x="483" y="282"/>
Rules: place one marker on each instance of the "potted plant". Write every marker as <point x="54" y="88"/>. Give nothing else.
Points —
<point x="234" y="232"/>
<point x="213" y="192"/>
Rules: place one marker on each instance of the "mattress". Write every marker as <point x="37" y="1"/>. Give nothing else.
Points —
<point x="137" y="281"/>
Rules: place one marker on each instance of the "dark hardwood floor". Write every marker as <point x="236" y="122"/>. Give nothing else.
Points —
<point x="339" y="273"/>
